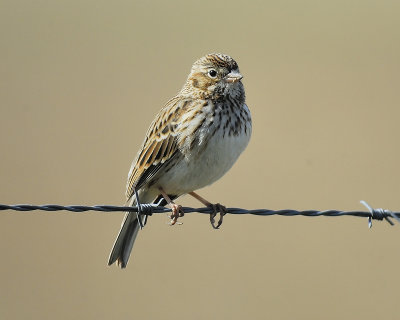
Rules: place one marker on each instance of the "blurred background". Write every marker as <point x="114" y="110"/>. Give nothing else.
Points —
<point x="80" y="82"/>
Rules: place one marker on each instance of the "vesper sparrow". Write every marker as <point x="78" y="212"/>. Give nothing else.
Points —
<point x="193" y="141"/>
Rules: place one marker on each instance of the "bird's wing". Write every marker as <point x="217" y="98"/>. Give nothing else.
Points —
<point x="159" y="146"/>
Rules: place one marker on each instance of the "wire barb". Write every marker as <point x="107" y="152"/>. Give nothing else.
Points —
<point x="379" y="214"/>
<point x="139" y="210"/>
<point x="149" y="209"/>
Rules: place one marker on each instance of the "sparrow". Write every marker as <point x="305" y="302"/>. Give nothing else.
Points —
<point x="192" y="142"/>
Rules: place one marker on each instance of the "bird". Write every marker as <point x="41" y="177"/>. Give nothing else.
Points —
<point x="193" y="141"/>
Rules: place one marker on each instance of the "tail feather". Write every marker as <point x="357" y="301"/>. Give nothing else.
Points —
<point x="123" y="244"/>
<point x="129" y="229"/>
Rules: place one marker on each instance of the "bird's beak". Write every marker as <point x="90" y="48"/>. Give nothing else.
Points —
<point x="233" y="77"/>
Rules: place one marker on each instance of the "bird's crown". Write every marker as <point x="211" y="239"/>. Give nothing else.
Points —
<point x="218" y="60"/>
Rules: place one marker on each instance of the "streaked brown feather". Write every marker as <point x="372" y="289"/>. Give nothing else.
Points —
<point x="159" y="146"/>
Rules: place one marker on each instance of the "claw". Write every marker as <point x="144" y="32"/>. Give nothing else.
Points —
<point x="177" y="212"/>
<point x="222" y="211"/>
<point x="212" y="216"/>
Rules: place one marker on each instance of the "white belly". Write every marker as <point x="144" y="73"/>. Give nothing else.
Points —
<point x="204" y="165"/>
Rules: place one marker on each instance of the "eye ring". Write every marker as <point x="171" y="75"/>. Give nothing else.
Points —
<point x="212" y="73"/>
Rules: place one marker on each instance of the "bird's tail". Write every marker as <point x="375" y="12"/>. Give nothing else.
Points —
<point x="126" y="237"/>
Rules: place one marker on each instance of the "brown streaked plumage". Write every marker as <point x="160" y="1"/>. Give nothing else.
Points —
<point x="193" y="141"/>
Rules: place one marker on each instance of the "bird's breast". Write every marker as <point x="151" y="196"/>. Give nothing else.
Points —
<point x="210" y="151"/>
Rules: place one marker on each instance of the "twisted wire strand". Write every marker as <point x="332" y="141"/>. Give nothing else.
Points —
<point x="149" y="209"/>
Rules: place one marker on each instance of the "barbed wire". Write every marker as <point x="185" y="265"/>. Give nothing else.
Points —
<point x="149" y="209"/>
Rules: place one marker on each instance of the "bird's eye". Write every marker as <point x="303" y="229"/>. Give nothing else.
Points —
<point x="212" y="73"/>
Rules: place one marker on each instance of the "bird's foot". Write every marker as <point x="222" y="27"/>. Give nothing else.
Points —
<point x="222" y="211"/>
<point x="177" y="212"/>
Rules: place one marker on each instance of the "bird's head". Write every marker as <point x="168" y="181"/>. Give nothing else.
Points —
<point x="215" y="76"/>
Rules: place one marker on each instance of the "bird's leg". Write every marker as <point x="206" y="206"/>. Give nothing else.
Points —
<point x="217" y="207"/>
<point x="177" y="210"/>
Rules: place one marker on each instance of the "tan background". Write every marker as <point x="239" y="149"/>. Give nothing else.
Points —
<point x="80" y="81"/>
